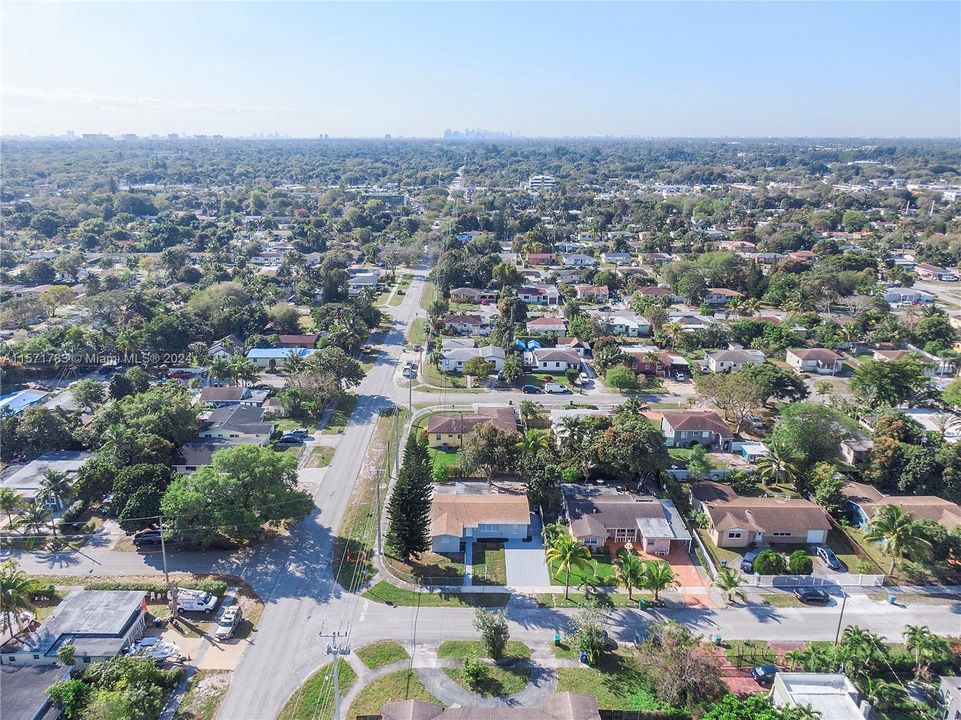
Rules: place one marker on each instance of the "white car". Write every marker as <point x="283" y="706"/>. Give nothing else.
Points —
<point x="229" y="620"/>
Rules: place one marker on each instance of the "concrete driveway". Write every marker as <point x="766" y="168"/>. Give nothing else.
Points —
<point x="525" y="560"/>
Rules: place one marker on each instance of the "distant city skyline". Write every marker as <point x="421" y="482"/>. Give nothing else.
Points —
<point x="885" y="69"/>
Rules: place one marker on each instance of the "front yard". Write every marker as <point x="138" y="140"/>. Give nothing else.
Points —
<point x="490" y="565"/>
<point x="430" y="568"/>
<point x="341" y="414"/>
<point x="601" y="569"/>
<point x="614" y="682"/>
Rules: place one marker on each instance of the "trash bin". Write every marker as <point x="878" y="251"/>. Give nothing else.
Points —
<point x="583" y="657"/>
<point x="892" y="599"/>
<point x="717" y="639"/>
<point x="641" y="604"/>
<point x="557" y="638"/>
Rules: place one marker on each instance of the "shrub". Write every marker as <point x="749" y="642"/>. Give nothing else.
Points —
<point x="72" y="514"/>
<point x="621" y="378"/>
<point x="475" y="672"/>
<point x="800" y="563"/>
<point x="214" y="587"/>
<point x="769" y="562"/>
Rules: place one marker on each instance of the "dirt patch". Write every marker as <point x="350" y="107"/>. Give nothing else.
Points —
<point x="207" y="690"/>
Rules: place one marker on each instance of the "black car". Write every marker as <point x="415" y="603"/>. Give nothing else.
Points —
<point x="146" y="537"/>
<point x="291" y="440"/>
<point x="764" y="674"/>
<point x="531" y="390"/>
<point x="812" y="596"/>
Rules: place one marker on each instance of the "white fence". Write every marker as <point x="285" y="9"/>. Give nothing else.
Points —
<point x="793" y="581"/>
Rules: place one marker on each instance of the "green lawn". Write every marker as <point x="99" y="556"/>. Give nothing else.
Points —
<point x="490" y="564"/>
<point x="418" y="332"/>
<point x="576" y="599"/>
<point x="718" y="554"/>
<point x="447" y="380"/>
<point x="500" y="681"/>
<point x="315" y="699"/>
<point x="430" y="568"/>
<point x="381" y="653"/>
<point x="781" y="600"/>
<point x="385" y="592"/>
<point x="615" y="683"/>
<point x="600" y="567"/>
<point x="749" y="653"/>
<point x="463" y="649"/>
<point x="427" y="297"/>
<point x="341" y="414"/>
<point x="320" y="457"/>
<point x="394" y="687"/>
<point x="443" y="458"/>
<point x="285" y="425"/>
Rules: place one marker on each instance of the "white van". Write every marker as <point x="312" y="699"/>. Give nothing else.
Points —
<point x="195" y="601"/>
<point x="229" y="620"/>
<point x="555" y="388"/>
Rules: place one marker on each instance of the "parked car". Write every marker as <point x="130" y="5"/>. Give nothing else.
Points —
<point x="146" y="538"/>
<point x="747" y="562"/>
<point x="299" y="432"/>
<point x="229" y="620"/>
<point x="556" y="388"/>
<point x="828" y="557"/>
<point x="584" y="378"/>
<point x="401" y="292"/>
<point x="196" y="601"/>
<point x="291" y="440"/>
<point x="812" y="596"/>
<point x="417" y="347"/>
<point x="531" y="390"/>
<point x="764" y="674"/>
<point x="681" y="377"/>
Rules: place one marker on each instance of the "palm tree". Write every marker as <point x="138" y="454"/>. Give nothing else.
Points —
<point x="823" y="387"/>
<point x="657" y="576"/>
<point x="243" y="370"/>
<point x="10" y="502"/>
<point x="573" y="431"/>
<point x="551" y="531"/>
<point x="15" y="591"/>
<point x="55" y="486"/>
<point x="861" y="650"/>
<point x="882" y="694"/>
<point x="630" y="571"/>
<point x="728" y="580"/>
<point x="293" y="364"/>
<point x="672" y="331"/>
<point x="219" y="368"/>
<point x="198" y="350"/>
<point x="35" y="517"/>
<point x="533" y="442"/>
<point x="897" y="533"/>
<point x="921" y="641"/>
<point x="530" y="410"/>
<point x="568" y="554"/>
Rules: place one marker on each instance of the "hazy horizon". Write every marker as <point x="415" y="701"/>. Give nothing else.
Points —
<point x="885" y="70"/>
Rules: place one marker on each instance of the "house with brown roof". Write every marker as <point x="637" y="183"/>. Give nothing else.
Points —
<point x="736" y="521"/>
<point x="599" y="516"/>
<point x="465" y="324"/>
<point x="592" y="293"/>
<point x="817" y="360"/>
<point x="686" y="428"/>
<point x="473" y="295"/>
<point x="298" y="341"/>
<point x="558" y="706"/>
<point x="863" y="501"/>
<point x="458" y="518"/>
<point x="720" y="296"/>
<point x="452" y="430"/>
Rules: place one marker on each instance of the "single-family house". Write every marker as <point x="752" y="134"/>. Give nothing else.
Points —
<point x="308" y="340"/>
<point x="643" y="359"/>
<point x="454" y="359"/>
<point x="197" y="454"/>
<point x="854" y="450"/>
<point x="541" y="258"/>
<point x="733" y="360"/>
<point x="685" y="428"/>
<point x="239" y="424"/>
<point x="539" y="294"/>
<point x="626" y="324"/>
<point x="226" y="348"/>
<point x="593" y="293"/>
<point x="362" y="280"/>
<point x="907" y="296"/>
<point x="578" y="260"/>
<point x="466" y="324"/>
<point x="273" y="358"/>
<point x="16" y="402"/>
<point x="720" y="296"/>
<point x="735" y="521"/>
<point x="23" y="691"/>
<point x="655" y="291"/>
<point x="452" y="430"/>
<point x="926" y="271"/>
<point x="656" y="258"/>
<point x="601" y="517"/>
<point x="473" y="295"/>
<point x="99" y="624"/>
<point x="754" y="451"/>
<point x="581" y="347"/>
<point x="617" y="258"/>
<point x="817" y="360"/>
<point x="950" y="692"/>
<point x="214" y="397"/>
<point x="830" y="695"/>
<point x="458" y="518"/>
<point x="547" y="324"/>
<point x="26" y="481"/>
<point x="863" y="501"/>
<point x="555" y="360"/>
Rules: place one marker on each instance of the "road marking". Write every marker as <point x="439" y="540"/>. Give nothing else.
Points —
<point x="363" y="612"/>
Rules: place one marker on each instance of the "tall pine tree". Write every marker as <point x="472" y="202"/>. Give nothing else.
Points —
<point x="408" y="511"/>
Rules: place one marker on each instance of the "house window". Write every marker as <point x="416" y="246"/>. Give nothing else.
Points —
<point x="87" y="660"/>
<point x="438" y="436"/>
<point x="733" y="535"/>
<point x="36" y="657"/>
<point x="12" y="659"/>
<point x="781" y="534"/>
<point x="487" y="527"/>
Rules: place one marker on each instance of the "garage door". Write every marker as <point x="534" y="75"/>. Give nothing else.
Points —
<point x="817" y="536"/>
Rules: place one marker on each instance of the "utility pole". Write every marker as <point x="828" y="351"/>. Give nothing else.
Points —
<point x="844" y="600"/>
<point x="380" y="549"/>
<point x="171" y="587"/>
<point x="336" y="651"/>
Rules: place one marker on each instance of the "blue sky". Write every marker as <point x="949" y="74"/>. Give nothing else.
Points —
<point x="544" y="69"/>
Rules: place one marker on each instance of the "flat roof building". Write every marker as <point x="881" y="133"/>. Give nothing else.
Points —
<point x="831" y="695"/>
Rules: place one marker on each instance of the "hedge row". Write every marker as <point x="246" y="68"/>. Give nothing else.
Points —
<point x="214" y="587"/>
